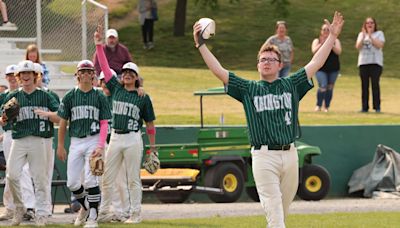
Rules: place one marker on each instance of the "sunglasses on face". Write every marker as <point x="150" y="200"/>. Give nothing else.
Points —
<point x="84" y="71"/>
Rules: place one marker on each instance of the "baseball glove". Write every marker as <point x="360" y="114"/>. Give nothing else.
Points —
<point x="11" y="109"/>
<point x="151" y="162"/>
<point x="96" y="165"/>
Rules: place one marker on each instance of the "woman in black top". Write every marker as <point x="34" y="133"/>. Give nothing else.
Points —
<point x="328" y="73"/>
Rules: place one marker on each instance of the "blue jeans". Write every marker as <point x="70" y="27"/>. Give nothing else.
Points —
<point x="326" y="81"/>
<point x="285" y="70"/>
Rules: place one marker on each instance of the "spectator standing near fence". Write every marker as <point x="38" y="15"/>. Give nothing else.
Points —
<point x="117" y="54"/>
<point x="329" y="72"/>
<point x="370" y="42"/>
<point x="4" y="14"/>
<point x="147" y="16"/>
<point x="285" y="46"/>
<point x="32" y="54"/>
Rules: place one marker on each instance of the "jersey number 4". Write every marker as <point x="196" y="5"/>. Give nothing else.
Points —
<point x="288" y="118"/>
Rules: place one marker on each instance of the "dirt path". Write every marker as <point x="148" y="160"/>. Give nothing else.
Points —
<point x="197" y="210"/>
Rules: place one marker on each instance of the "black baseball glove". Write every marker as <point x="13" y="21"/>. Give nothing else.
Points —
<point x="11" y="110"/>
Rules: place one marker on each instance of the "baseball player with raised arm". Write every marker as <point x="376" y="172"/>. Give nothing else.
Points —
<point x="29" y="132"/>
<point x="87" y="111"/>
<point x="120" y="198"/>
<point x="271" y="108"/>
<point x="49" y="141"/>
<point x="126" y="145"/>
<point x="28" y="195"/>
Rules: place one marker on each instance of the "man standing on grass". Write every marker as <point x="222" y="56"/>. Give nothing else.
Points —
<point x="271" y="107"/>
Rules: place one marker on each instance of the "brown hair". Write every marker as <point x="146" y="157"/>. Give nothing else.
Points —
<point x="32" y="48"/>
<point x="365" y="23"/>
<point x="269" y="48"/>
<point x="35" y="77"/>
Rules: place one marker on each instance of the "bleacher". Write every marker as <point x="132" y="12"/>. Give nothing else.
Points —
<point x="12" y="54"/>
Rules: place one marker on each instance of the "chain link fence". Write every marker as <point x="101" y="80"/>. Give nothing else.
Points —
<point x="63" y="30"/>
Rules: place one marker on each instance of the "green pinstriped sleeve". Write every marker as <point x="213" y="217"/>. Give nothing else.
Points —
<point x="301" y="82"/>
<point x="237" y="87"/>
<point x="148" y="112"/>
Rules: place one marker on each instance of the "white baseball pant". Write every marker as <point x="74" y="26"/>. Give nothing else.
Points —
<point x="50" y="169"/>
<point x="31" y="149"/>
<point x="80" y="151"/>
<point x="124" y="149"/>
<point x="28" y="194"/>
<point x="120" y="197"/>
<point x="276" y="173"/>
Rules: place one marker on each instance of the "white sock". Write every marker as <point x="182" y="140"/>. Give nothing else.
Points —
<point x="93" y="214"/>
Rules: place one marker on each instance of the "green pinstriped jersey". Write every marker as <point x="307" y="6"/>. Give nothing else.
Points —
<point x="28" y="123"/>
<point x="57" y="98"/>
<point x="109" y="99"/>
<point x="128" y="108"/>
<point x="271" y="108"/>
<point x="84" y="110"/>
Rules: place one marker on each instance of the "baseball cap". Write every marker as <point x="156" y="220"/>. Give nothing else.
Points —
<point x="85" y="65"/>
<point x="101" y="76"/>
<point x="11" y="69"/>
<point x="131" y="66"/>
<point x="112" y="32"/>
<point x="38" y="68"/>
<point x="25" y="66"/>
<point x="207" y="28"/>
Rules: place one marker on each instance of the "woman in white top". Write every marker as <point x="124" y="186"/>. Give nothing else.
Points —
<point x="370" y="42"/>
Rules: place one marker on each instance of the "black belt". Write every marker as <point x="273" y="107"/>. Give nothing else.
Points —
<point x="121" y="132"/>
<point x="274" y="147"/>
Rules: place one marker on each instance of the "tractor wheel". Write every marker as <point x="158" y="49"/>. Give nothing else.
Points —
<point x="253" y="194"/>
<point x="173" y="197"/>
<point x="229" y="178"/>
<point x="315" y="182"/>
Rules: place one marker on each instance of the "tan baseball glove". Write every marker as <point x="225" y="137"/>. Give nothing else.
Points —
<point x="151" y="162"/>
<point x="96" y="165"/>
<point x="11" y="109"/>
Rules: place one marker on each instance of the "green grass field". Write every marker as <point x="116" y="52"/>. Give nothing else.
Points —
<point x="242" y="28"/>
<point x="329" y="220"/>
<point x="172" y="90"/>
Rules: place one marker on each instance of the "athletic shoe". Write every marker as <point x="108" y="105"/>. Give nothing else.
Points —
<point x="120" y="218"/>
<point x="9" y="24"/>
<point x="7" y="215"/>
<point x="41" y="221"/>
<point x="134" y="219"/>
<point x="105" y="217"/>
<point x="150" y="45"/>
<point x="29" y="215"/>
<point x="82" y="216"/>
<point x="91" y="223"/>
<point x="18" y="215"/>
